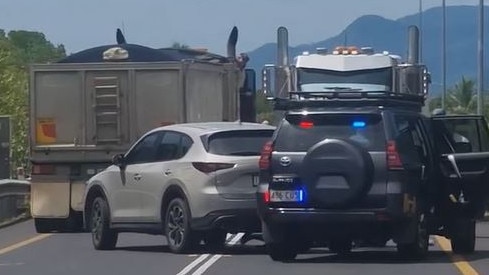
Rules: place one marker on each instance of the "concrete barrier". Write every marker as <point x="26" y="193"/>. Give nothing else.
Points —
<point x="14" y="200"/>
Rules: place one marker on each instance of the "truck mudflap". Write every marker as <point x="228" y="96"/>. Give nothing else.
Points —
<point x="56" y="198"/>
<point x="77" y="195"/>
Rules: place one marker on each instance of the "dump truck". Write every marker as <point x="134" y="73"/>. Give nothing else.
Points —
<point x="95" y="103"/>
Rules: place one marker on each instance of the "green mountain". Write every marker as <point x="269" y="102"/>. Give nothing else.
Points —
<point x="391" y="35"/>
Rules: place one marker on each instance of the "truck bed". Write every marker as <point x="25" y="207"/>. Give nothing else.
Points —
<point x="88" y="112"/>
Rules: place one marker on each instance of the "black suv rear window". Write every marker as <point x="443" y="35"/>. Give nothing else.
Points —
<point x="238" y="143"/>
<point x="299" y="132"/>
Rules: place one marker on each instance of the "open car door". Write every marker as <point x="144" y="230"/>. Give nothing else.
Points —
<point x="462" y="143"/>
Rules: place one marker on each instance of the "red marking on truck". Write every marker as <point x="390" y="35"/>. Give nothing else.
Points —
<point x="46" y="131"/>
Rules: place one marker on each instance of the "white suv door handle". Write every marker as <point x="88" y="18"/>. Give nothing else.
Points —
<point x="137" y="176"/>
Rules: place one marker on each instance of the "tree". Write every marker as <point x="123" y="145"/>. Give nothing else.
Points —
<point x="264" y="109"/>
<point x="33" y="47"/>
<point x="461" y="98"/>
<point x="17" y="50"/>
<point x="178" y="45"/>
<point x="13" y="101"/>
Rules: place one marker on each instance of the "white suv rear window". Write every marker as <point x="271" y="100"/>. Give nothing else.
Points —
<point x="238" y="143"/>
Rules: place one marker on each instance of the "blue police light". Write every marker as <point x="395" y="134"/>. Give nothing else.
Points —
<point x="358" y="124"/>
<point x="301" y="195"/>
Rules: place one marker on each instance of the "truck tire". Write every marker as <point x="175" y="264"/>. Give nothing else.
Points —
<point x="417" y="249"/>
<point x="103" y="237"/>
<point x="74" y="223"/>
<point x="463" y="237"/>
<point x="45" y="225"/>
<point x="179" y="234"/>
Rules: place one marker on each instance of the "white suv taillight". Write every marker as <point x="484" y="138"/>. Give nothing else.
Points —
<point x="208" y="167"/>
<point x="266" y="154"/>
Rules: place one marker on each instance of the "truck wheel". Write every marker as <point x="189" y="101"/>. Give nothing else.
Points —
<point x="417" y="249"/>
<point x="103" y="237"/>
<point x="215" y="239"/>
<point x="74" y="223"/>
<point x="45" y="225"/>
<point x="463" y="238"/>
<point x="179" y="235"/>
<point x="282" y="251"/>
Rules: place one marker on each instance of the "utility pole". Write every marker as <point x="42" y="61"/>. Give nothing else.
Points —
<point x="480" y="71"/>
<point x="421" y="31"/>
<point x="444" y="56"/>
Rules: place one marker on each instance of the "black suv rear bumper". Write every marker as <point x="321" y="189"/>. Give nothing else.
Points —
<point x="392" y="211"/>
<point x="280" y="215"/>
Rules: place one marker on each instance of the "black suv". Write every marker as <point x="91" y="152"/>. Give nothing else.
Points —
<point x="367" y="173"/>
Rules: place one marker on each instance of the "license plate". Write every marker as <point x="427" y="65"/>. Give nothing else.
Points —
<point x="255" y="180"/>
<point x="286" y="195"/>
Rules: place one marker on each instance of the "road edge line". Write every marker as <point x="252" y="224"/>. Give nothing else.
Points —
<point x="23" y="243"/>
<point x="460" y="262"/>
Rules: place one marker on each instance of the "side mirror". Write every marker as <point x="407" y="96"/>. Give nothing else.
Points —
<point x="118" y="160"/>
<point x="247" y="97"/>
<point x="250" y="81"/>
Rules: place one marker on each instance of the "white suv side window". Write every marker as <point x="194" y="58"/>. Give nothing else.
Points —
<point x="168" y="147"/>
<point x="173" y="146"/>
<point x="144" y="151"/>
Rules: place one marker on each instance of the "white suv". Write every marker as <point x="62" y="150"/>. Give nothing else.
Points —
<point x="190" y="182"/>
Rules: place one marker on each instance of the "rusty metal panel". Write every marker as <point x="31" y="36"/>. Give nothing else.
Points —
<point x="57" y="108"/>
<point x="204" y="90"/>
<point x="157" y="100"/>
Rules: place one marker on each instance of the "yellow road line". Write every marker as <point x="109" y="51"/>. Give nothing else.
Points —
<point x="463" y="266"/>
<point x="23" y="243"/>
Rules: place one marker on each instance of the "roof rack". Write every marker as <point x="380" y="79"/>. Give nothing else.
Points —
<point x="348" y="98"/>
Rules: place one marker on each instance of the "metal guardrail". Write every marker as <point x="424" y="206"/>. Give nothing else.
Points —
<point x="14" y="199"/>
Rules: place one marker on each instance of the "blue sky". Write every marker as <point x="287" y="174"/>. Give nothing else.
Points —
<point x="198" y="23"/>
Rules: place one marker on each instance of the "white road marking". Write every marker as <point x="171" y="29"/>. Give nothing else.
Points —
<point x="193" y="264"/>
<point x="230" y="240"/>
<point x="216" y="257"/>
<point x="24" y="243"/>
<point x="11" y="264"/>
<point x="207" y="264"/>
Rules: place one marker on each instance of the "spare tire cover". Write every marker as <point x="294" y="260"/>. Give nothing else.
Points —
<point x="336" y="173"/>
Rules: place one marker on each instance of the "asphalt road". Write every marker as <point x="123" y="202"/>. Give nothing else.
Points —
<point x="24" y="252"/>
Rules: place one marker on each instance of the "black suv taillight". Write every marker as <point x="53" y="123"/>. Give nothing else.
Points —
<point x="393" y="159"/>
<point x="266" y="154"/>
